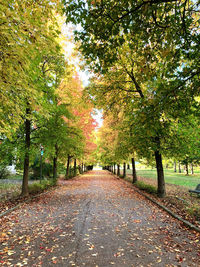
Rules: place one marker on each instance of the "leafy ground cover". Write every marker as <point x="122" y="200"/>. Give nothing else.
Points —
<point x="95" y="220"/>
<point x="178" y="198"/>
<point x="10" y="192"/>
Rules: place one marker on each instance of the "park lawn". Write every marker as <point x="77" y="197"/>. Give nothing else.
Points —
<point x="15" y="177"/>
<point x="171" y="177"/>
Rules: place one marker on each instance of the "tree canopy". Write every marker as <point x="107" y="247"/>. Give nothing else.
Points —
<point x="146" y="58"/>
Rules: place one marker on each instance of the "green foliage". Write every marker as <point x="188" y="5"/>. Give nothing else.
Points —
<point x="147" y="59"/>
<point x="4" y="173"/>
<point x="35" y="169"/>
<point x="40" y="187"/>
<point x="26" y="43"/>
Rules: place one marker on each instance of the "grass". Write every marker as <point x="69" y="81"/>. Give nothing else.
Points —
<point x="8" y="190"/>
<point x="171" y="177"/>
<point x="15" y="177"/>
<point x="146" y="187"/>
<point x="38" y="187"/>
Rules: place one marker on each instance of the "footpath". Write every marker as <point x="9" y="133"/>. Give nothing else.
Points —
<point x="95" y="220"/>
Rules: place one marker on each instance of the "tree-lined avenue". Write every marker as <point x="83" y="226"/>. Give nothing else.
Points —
<point x="95" y="220"/>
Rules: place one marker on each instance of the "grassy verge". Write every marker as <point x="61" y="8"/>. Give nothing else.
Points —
<point x="39" y="187"/>
<point x="10" y="190"/>
<point x="146" y="187"/>
<point x="7" y="190"/>
<point x="178" y="198"/>
<point x="15" y="177"/>
<point x="171" y="177"/>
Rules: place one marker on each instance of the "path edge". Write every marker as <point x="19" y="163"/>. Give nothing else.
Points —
<point x="26" y="201"/>
<point x="185" y="222"/>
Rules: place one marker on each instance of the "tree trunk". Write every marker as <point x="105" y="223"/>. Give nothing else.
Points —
<point x="160" y="175"/>
<point x="67" y="169"/>
<point x="55" y="160"/>
<point x="124" y="170"/>
<point x="54" y="168"/>
<point x="179" y="167"/>
<point x="134" y="171"/>
<point x="40" y="167"/>
<point x="192" y="169"/>
<point x="26" y="157"/>
<point x="128" y="167"/>
<point x="186" y="169"/>
<point x="79" y="169"/>
<point x="114" y="169"/>
<point x="75" y="172"/>
<point x="82" y="168"/>
<point x="174" y="166"/>
<point x="118" y="170"/>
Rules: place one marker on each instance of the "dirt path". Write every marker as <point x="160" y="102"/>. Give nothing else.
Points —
<point x="99" y="221"/>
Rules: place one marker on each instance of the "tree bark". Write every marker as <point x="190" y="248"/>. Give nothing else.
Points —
<point x="160" y="175"/>
<point x="67" y="169"/>
<point x="192" y="169"/>
<point x="128" y="167"/>
<point x="54" y="168"/>
<point x="118" y="170"/>
<point x="174" y="166"/>
<point x="179" y="167"/>
<point x="79" y="169"/>
<point x="186" y="169"/>
<point x="134" y="171"/>
<point x="114" y="169"/>
<point x="26" y="157"/>
<point x="55" y="160"/>
<point x="75" y="172"/>
<point x="82" y="168"/>
<point x="124" y="170"/>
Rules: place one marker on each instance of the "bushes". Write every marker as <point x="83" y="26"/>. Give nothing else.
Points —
<point x="4" y="172"/>
<point x="35" y="168"/>
<point x="40" y="187"/>
<point x="71" y="173"/>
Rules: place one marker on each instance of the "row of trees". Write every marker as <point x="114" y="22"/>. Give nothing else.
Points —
<point x="146" y="58"/>
<point x="41" y="96"/>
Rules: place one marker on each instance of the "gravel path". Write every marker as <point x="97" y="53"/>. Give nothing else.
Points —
<point x="95" y="220"/>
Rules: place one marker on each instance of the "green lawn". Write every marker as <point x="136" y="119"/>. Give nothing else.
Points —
<point x="14" y="177"/>
<point x="172" y="177"/>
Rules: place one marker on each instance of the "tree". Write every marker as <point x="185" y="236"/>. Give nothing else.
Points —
<point x="122" y="40"/>
<point x="31" y="55"/>
<point x="24" y="40"/>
